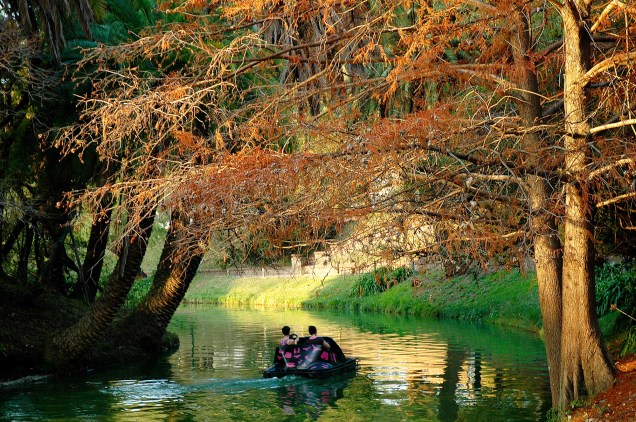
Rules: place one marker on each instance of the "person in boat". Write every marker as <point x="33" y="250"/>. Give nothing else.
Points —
<point x="287" y="338"/>
<point x="314" y="339"/>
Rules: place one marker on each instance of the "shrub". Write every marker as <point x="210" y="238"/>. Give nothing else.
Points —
<point x="380" y="280"/>
<point x="401" y="273"/>
<point x="615" y="286"/>
<point x="628" y="346"/>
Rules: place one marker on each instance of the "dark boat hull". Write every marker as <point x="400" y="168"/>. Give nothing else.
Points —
<point x="350" y="364"/>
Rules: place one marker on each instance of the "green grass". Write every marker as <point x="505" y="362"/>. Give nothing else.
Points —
<point x="256" y="291"/>
<point x="508" y="298"/>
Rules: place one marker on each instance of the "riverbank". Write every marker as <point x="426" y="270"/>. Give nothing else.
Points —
<point x="503" y="298"/>
<point x="507" y="298"/>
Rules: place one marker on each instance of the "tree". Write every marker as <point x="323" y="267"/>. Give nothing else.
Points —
<point x="67" y="346"/>
<point x="584" y="360"/>
<point x="48" y="18"/>
<point x="33" y="178"/>
<point x="485" y="147"/>
<point x="40" y="181"/>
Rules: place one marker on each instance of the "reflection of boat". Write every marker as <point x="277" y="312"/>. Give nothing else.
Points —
<point x="311" y="397"/>
<point x="310" y="360"/>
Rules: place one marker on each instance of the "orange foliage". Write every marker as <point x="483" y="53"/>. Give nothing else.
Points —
<point x="314" y="113"/>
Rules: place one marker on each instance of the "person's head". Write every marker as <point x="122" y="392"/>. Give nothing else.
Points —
<point x="286" y="330"/>
<point x="312" y="330"/>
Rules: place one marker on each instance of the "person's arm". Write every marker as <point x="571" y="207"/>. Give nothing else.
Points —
<point x="325" y="344"/>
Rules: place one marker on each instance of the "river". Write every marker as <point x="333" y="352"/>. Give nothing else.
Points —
<point x="409" y="369"/>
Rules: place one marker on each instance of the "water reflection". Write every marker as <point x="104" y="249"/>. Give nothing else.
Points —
<point x="136" y="395"/>
<point x="409" y="369"/>
<point x="441" y="370"/>
<point x="311" y="397"/>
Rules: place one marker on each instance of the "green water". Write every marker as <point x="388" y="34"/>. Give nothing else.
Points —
<point x="410" y="369"/>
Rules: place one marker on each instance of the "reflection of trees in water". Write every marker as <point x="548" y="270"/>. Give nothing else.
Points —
<point x="311" y="397"/>
<point x="488" y="373"/>
<point x="474" y="385"/>
<point x="448" y="408"/>
<point x="442" y="391"/>
<point x="476" y="373"/>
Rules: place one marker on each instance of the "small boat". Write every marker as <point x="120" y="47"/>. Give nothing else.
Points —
<point x="310" y="360"/>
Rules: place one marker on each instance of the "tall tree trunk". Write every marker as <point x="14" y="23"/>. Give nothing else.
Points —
<point x="88" y="284"/>
<point x="53" y="274"/>
<point x="72" y="342"/>
<point x="546" y="242"/>
<point x="585" y="364"/>
<point x="11" y="239"/>
<point x="175" y="271"/>
<point x="548" y="264"/>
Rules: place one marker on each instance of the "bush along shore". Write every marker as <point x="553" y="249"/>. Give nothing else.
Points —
<point x="506" y="297"/>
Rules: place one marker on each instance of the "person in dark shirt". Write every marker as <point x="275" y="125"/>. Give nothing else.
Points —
<point x="314" y="339"/>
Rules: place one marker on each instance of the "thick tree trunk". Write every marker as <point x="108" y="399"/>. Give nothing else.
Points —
<point x="72" y="342"/>
<point x="175" y="271"/>
<point x="13" y="236"/>
<point x="546" y="242"/>
<point x="53" y="274"/>
<point x="585" y="364"/>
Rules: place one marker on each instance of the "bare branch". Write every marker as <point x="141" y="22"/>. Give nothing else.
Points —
<point x="611" y="62"/>
<point x="609" y="167"/>
<point x="616" y="199"/>
<point x="623" y="123"/>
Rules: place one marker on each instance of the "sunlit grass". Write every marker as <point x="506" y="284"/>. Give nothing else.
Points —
<point x="288" y="292"/>
<point x="506" y="297"/>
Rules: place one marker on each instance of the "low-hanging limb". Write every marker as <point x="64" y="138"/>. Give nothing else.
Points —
<point x="144" y="329"/>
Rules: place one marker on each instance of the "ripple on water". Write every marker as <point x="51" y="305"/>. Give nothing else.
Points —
<point x="409" y="369"/>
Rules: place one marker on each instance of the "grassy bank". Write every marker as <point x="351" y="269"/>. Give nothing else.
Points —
<point x="258" y="291"/>
<point x="507" y="298"/>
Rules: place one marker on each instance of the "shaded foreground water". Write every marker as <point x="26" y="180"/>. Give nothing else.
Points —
<point x="410" y="369"/>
